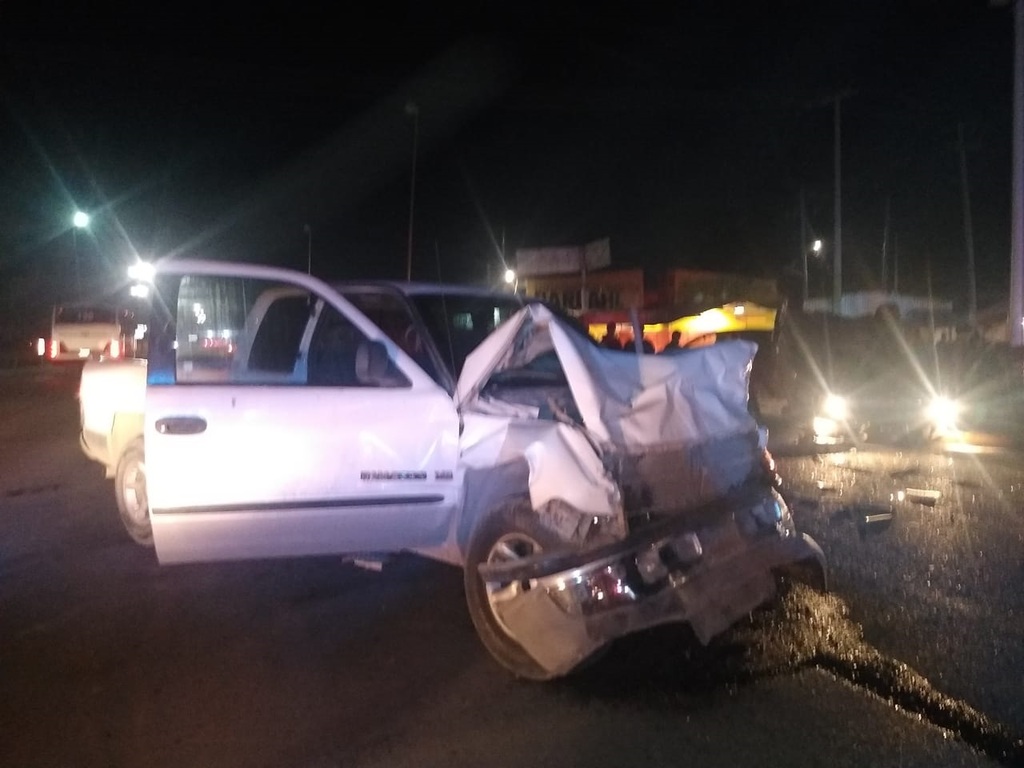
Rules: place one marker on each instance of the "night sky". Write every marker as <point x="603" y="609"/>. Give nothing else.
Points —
<point x="685" y="135"/>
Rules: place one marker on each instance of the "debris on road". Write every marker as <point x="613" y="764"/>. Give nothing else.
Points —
<point x="920" y="495"/>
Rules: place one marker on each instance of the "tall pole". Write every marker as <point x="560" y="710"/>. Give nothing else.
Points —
<point x="79" y="221"/>
<point x="1016" y="317"/>
<point x="803" y="245"/>
<point x="309" y="248"/>
<point x="885" y="245"/>
<point x="412" y="110"/>
<point x="896" y="264"/>
<point x="78" y="270"/>
<point x="837" y="258"/>
<point x="972" y="291"/>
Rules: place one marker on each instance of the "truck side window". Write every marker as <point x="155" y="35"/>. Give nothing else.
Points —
<point x="461" y="322"/>
<point x="391" y="315"/>
<point x="209" y="322"/>
<point x="334" y="354"/>
<point x="332" y="351"/>
<point x="277" y="342"/>
<point x="234" y="330"/>
<point x="240" y="331"/>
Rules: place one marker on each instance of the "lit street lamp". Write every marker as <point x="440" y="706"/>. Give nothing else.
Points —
<point x="816" y="248"/>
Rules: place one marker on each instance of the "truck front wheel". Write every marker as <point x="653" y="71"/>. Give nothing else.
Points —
<point x="511" y="532"/>
<point x="130" y="491"/>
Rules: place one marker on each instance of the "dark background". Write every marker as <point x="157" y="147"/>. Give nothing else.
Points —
<point x="684" y="135"/>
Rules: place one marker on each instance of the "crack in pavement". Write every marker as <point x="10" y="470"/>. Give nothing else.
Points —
<point x="810" y="629"/>
<point x="803" y="629"/>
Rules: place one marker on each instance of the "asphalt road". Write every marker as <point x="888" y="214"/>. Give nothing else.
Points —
<point x="915" y="657"/>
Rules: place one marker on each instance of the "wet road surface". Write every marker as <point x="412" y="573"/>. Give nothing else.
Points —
<point x="914" y="658"/>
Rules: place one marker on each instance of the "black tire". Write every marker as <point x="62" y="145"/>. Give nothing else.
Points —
<point x="130" y="492"/>
<point x="509" y="532"/>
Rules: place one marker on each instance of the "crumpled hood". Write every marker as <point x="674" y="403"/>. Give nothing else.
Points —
<point x="627" y="400"/>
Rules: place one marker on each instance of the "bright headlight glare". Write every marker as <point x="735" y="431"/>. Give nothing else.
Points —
<point x="836" y="407"/>
<point x="141" y="271"/>
<point x="825" y="427"/>
<point x="943" y="410"/>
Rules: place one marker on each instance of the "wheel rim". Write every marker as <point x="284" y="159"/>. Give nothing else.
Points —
<point x="509" y="548"/>
<point x="133" y="491"/>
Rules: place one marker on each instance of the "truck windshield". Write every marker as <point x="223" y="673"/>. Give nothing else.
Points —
<point x="458" y="323"/>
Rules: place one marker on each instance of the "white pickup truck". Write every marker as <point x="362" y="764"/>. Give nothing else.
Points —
<point x="586" y="493"/>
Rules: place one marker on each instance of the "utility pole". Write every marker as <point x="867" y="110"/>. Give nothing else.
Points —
<point x="80" y="220"/>
<point x="583" y="280"/>
<point x="78" y="269"/>
<point x="885" y="245"/>
<point x="837" y="246"/>
<point x="803" y="245"/>
<point x="972" y="292"/>
<point x="309" y="248"/>
<point x="1016" y="315"/>
<point x="413" y="111"/>
<point x="896" y="264"/>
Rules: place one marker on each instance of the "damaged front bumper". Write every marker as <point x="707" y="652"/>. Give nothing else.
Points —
<point x="708" y="567"/>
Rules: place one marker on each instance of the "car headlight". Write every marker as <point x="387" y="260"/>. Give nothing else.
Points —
<point x="943" y="411"/>
<point x="836" y="407"/>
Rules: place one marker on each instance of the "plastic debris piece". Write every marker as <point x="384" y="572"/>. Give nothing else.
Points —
<point x="877" y="517"/>
<point x="923" y="496"/>
<point x="873" y="517"/>
<point x="905" y="472"/>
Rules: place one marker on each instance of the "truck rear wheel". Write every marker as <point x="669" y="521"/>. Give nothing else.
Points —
<point x="130" y="492"/>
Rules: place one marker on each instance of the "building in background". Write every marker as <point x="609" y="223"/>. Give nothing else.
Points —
<point x="699" y="304"/>
<point x="609" y="289"/>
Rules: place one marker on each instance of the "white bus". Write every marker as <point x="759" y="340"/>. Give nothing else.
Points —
<point x="80" y="332"/>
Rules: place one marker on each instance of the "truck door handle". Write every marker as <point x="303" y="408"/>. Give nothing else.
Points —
<point x="181" y="425"/>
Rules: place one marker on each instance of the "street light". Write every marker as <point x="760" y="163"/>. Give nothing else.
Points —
<point x="413" y="111"/>
<point x="512" y="279"/>
<point x="817" y="246"/>
<point x="79" y="221"/>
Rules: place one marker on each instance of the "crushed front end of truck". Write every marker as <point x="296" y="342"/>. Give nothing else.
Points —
<point x="652" y="472"/>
